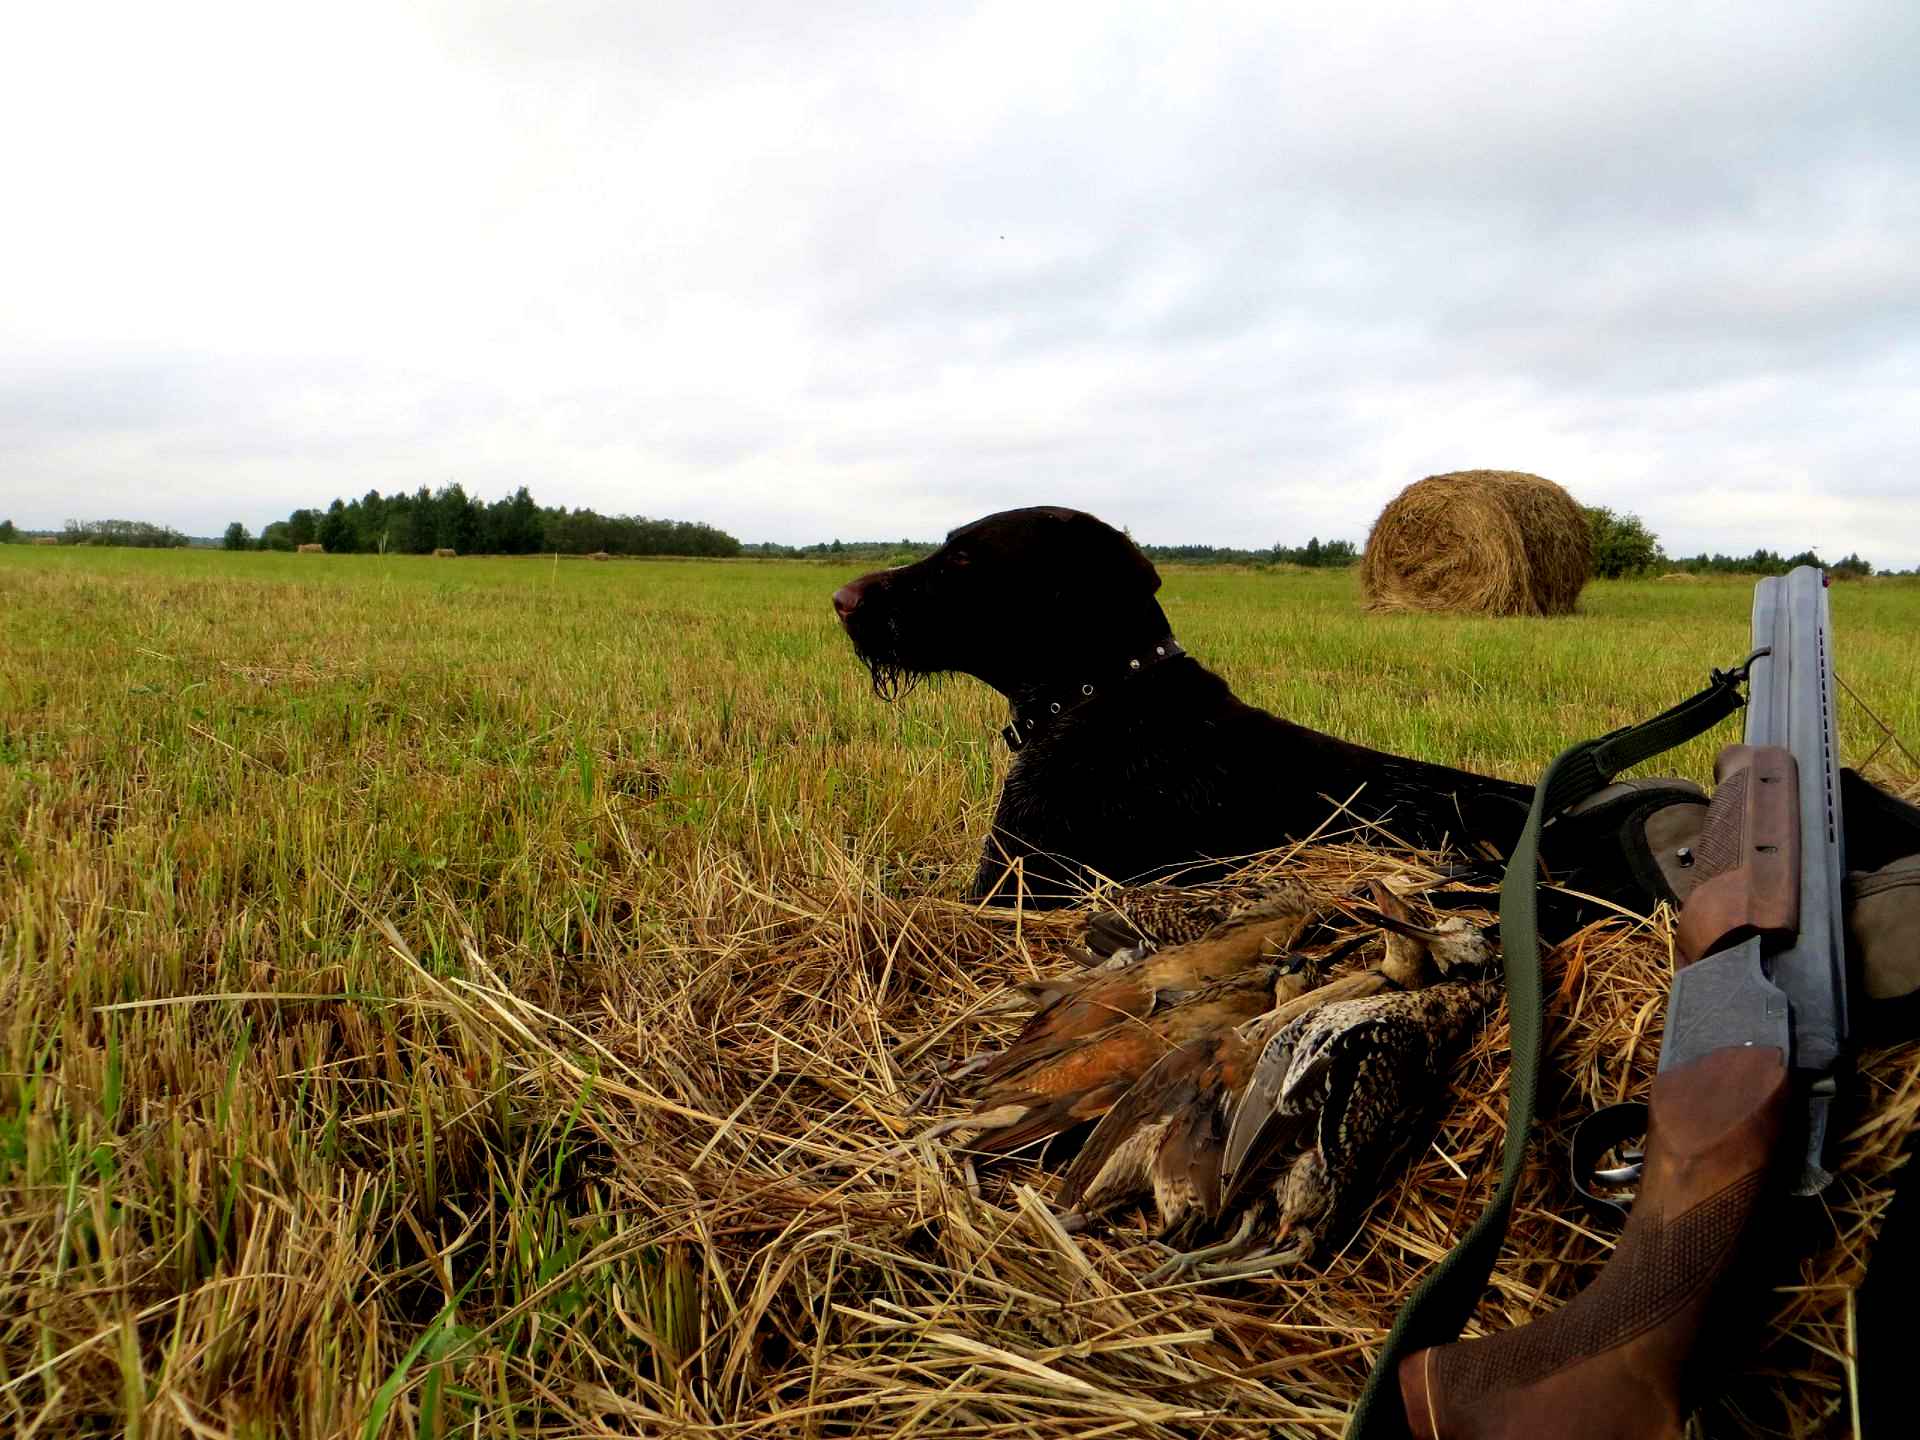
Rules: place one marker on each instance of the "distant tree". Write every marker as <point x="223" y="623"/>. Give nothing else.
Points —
<point x="512" y="525"/>
<point x="1622" y="544"/>
<point x="1333" y="554"/>
<point x="1760" y="562"/>
<point x="139" y="534"/>
<point x="335" y="530"/>
<point x="1851" y="568"/>
<point x="236" y="538"/>
<point x="458" y="519"/>
<point x="8" y="535"/>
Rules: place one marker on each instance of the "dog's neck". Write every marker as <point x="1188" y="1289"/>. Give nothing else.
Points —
<point x="1097" y="673"/>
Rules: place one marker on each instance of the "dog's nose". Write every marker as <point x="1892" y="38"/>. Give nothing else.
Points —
<point x="845" y="598"/>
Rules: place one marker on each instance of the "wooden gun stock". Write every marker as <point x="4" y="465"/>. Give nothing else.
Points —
<point x="1622" y="1359"/>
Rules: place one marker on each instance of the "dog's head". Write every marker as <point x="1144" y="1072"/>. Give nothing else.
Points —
<point x="1013" y="599"/>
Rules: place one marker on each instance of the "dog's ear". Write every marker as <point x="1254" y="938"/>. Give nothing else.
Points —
<point x="1105" y="551"/>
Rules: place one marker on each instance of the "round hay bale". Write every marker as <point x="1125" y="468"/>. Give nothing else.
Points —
<point x="1481" y="542"/>
<point x="600" y="555"/>
<point x="444" y="553"/>
<point x="310" y="548"/>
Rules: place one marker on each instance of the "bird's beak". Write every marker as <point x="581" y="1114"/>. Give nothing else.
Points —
<point x="1398" y="925"/>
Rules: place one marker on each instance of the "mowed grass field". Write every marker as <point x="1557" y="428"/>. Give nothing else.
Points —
<point x="274" y="828"/>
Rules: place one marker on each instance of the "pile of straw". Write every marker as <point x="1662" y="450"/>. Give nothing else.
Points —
<point x="819" y="1271"/>
<point x="1479" y="542"/>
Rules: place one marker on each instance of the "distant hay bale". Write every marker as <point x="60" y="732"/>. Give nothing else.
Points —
<point x="600" y="555"/>
<point x="1686" y="575"/>
<point x="1480" y="542"/>
<point x="445" y="553"/>
<point x="46" y="539"/>
<point x="313" y="549"/>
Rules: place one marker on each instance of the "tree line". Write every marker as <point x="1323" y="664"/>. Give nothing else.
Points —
<point x="1623" y="546"/>
<point x="451" y="519"/>
<point x="1315" y="553"/>
<point x="136" y="533"/>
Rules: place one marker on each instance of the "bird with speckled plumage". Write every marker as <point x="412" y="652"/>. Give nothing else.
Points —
<point x="1340" y="1090"/>
<point x="1144" y="918"/>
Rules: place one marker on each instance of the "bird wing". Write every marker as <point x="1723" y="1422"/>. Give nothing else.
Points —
<point x="1187" y="1170"/>
<point x="1047" y="1116"/>
<point x="1073" y="1016"/>
<point x="1110" y="932"/>
<point x="1258" y="1128"/>
<point x="1168" y="1087"/>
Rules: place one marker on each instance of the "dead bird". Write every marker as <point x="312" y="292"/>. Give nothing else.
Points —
<point x="1146" y="918"/>
<point x="1082" y="1080"/>
<point x="1415" y="954"/>
<point x="1075" y="1006"/>
<point x="1167" y="1134"/>
<point x="1343" y="1087"/>
<point x="1149" y="922"/>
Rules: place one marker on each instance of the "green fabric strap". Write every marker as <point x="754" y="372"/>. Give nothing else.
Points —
<point x="1440" y="1307"/>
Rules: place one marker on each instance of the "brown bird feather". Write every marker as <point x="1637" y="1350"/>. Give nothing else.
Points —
<point x="1082" y="1080"/>
<point x="1167" y="1133"/>
<point x="1076" y="1006"/>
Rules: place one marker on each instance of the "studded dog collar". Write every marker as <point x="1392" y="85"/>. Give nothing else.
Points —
<point x="1034" y="716"/>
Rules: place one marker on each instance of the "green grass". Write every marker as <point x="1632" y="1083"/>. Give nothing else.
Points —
<point x="338" y="1210"/>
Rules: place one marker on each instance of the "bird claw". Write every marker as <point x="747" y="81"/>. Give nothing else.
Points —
<point x="1261" y="1262"/>
<point x="948" y="1079"/>
<point x="1194" y="1262"/>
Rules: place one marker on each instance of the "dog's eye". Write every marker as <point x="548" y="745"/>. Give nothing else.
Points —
<point x="960" y="559"/>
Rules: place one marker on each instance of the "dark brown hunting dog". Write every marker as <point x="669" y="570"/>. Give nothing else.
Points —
<point x="1131" y="758"/>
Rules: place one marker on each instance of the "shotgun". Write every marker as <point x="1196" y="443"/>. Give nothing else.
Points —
<point x="1756" y="1038"/>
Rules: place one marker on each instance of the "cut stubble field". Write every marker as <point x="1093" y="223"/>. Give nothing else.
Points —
<point x="482" y="996"/>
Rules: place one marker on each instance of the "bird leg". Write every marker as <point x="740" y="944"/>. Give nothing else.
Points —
<point x="943" y="1080"/>
<point x="1261" y="1262"/>
<point x="1191" y="1261"/>
<point x="989" y="1120"/>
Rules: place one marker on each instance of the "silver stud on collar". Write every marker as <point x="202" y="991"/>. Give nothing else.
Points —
<point x="1133" y="664"/>
<point x="1159" y="649"/>
<point x="1054" y="707"/>
<point x="1086" y="689"/>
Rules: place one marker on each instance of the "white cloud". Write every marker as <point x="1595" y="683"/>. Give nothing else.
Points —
<point x="1217" y="273"/>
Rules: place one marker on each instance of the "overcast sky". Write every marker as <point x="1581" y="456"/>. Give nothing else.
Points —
<point x="805" y="269"/>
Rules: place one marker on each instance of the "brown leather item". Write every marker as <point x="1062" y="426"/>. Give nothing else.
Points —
<point x="1616" y="1363"/>
<point x="1747" y="858"/>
